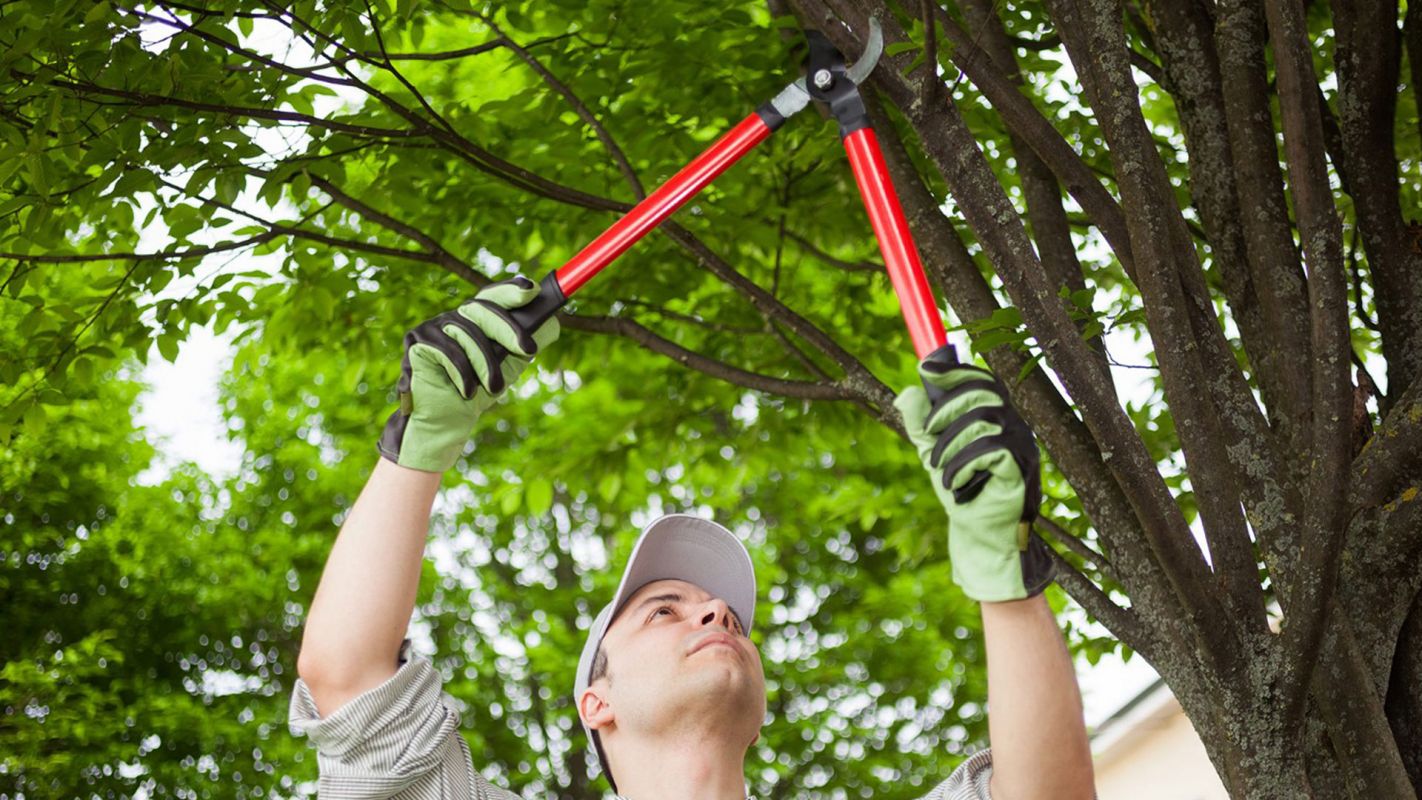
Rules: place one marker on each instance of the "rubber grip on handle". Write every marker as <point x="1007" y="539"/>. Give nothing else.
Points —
<point x="940" y="360"/>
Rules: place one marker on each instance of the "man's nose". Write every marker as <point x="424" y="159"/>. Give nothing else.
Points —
<point x="716" y="612"/>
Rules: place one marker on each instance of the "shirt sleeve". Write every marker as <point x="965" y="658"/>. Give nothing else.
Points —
<point x="397" y="741"/>
<point x="968" y="782"/>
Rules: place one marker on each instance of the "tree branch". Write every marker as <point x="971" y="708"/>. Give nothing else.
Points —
<point x="147" y="99"/>
<point x="390" y="67"/>
<point x="1188" y="340"/>
<point x="858" y="379"/>
<point x="438" y="259"/>
<point x="1276" y="279"/>
<point x="1045" y="212"/>
<point x="445" y="258"/>
<point x="175" y="255"/>
<point x="1122" y="622"/>
<point x="1392" y="456"/>
<point x="1368" y="52"/>
<point x="176" y="24"/>
<point x="579" y="107"/>
<point x="622" y="326"/>
<point x="1309" y="594"/>
<point x="691" y="319"/>
<point x="1022" y="118"/>
<point x="1070" y="442"/>
<point x="1050" y="529"/>
<point x="808" y="246"/>
<point x="1183" y="35"/>
<point x="957" y="155"/>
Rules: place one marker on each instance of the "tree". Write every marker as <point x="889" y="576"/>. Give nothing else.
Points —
<point x="146" y="639"/>
<point x="1223" y="181"/>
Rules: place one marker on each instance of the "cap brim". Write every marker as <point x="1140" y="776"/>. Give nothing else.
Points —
<point x="695" y="550"/>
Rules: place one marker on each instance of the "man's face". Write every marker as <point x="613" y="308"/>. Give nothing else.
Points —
<point x="676" y="653"/>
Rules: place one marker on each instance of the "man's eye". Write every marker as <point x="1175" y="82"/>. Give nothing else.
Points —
<point x="659" y="610"/>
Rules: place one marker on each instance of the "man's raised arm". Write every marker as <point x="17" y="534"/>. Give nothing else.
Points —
<point x="985" y="468"/>
<point x="1039" y="742"/>
<point x="450" y="374"/>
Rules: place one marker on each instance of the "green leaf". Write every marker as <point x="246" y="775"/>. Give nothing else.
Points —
<point x="609" y="486"/>
<point x="38" y="174"/>
<point x="1031" y="364"/>
<point x="35" y="422"/>
<point x="99" y="11"/>
<point x="168" y="346"/>
<point x="985" y="342"/>
<point x="538" y="495"/>
<point x="511" y="500"/>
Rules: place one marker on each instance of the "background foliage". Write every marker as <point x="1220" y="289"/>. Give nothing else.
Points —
<point x="153" y="629"/>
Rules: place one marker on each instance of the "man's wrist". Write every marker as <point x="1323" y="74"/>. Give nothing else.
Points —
<point x="1025" y="605"/>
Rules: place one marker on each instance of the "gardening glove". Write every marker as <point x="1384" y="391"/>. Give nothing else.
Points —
<point x="455" y="366"/>
<point x="984" y="463"/>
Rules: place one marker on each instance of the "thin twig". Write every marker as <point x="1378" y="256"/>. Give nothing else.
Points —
<point x="1122" y="622"/>
<point x="579" y="107"/>
<point x="69" y="346"/>
<point x="180" y="255"/>
<point x="622" y="326"/>
<point x="808" y="246"/>
<point x="690" y="319"/>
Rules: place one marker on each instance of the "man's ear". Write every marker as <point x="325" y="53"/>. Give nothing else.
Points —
<point x="595" y="708"/>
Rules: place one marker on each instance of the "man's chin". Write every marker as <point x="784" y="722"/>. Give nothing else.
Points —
<point x="722" y="684"/>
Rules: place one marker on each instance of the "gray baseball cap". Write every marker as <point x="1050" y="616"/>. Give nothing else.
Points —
<point x="674" y="547"/>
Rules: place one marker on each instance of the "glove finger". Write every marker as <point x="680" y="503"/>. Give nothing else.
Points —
<point x="961" y="399"/>
<point x="983" y="421"/>
<point x="512" y="293"/>
<point x="496" y="323"/>
<point x="546" y="334"/>
<point x="913" y="404"/>
<point x="445" y="355"/>
<point x="987" y="453"/>
<point x="934" y="374"/>
<point x="512" y="366"/>
<point x="480" y="351"/>
<point x="430" y="334"/>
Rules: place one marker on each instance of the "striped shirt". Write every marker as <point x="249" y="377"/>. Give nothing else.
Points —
<point x="400" y="740"/>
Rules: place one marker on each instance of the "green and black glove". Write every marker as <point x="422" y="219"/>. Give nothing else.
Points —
<point x="452" y="371"/>
<point x="985" y="468"/>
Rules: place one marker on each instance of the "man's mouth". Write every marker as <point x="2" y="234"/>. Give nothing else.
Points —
<point x="714" y="640"/>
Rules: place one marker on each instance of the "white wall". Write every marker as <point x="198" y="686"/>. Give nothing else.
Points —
<point x="1151" y="752"/>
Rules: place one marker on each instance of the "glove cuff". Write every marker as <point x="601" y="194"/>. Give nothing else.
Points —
<point x="1038" y="568"/>
<point x="392" y="435"/>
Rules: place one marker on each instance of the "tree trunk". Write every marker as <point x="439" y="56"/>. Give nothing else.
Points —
<point x="1404" y="695"/>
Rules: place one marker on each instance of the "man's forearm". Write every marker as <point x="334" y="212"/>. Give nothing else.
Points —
<point x="1039" y="743"/>
<point x="367" y="591"/>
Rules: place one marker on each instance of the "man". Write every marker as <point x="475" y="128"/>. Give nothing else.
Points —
<point x="669" y="687"/>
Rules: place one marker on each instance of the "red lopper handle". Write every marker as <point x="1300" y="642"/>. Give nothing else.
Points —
<point x="920" y="310"/>
<point x="661" y="203"/>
